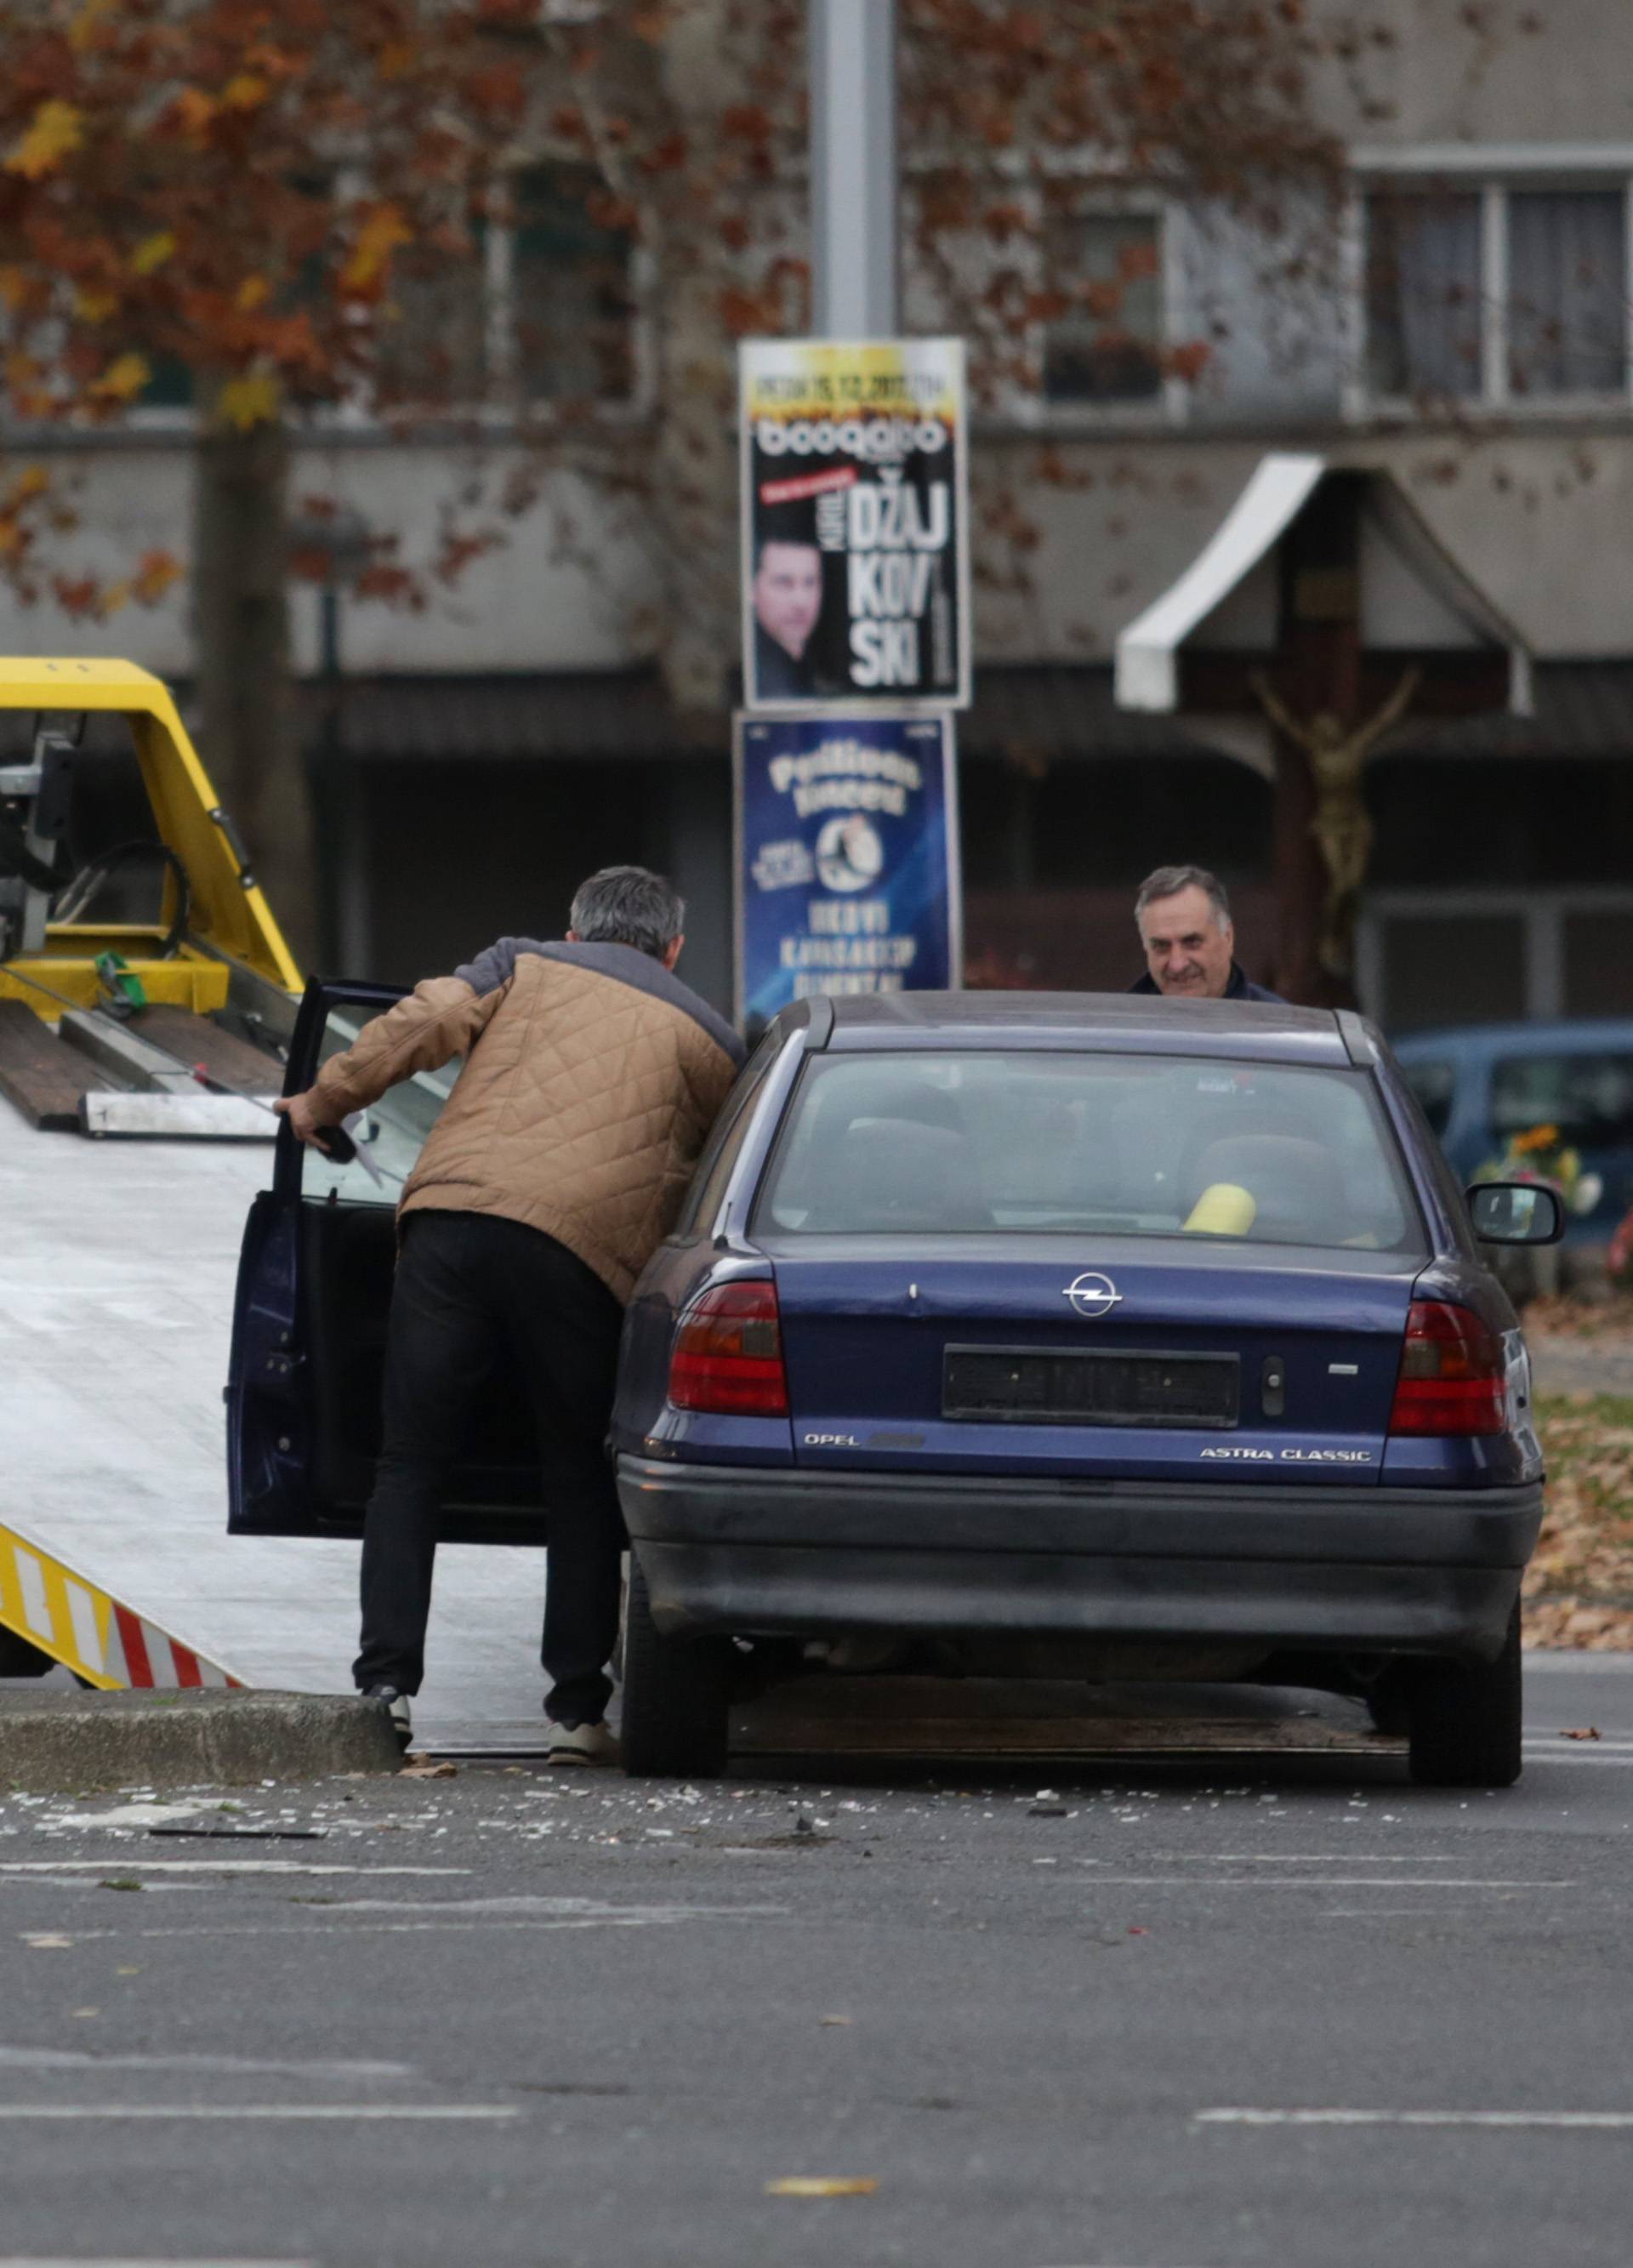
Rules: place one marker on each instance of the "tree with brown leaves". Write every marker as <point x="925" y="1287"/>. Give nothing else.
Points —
<point x="252" y="196"/>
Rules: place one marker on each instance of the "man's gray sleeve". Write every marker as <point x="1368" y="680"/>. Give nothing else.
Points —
<point x="490" y="969"/>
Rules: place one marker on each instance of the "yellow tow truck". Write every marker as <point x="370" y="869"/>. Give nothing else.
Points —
<point x="160" y="1021"/>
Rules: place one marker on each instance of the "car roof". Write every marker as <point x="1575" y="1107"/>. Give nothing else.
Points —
<point x="1142" y="1023"/>
<point x="1557" y="1034"/>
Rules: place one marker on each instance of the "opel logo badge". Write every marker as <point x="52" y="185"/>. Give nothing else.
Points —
<point x="1092" y="1295"/>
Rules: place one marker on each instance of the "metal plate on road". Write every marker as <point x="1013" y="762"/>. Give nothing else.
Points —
<point x="926" y="1717"/>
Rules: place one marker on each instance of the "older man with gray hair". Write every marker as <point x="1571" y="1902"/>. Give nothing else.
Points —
<point x="1184" y="919"/>
<point x="592" y="1077"/>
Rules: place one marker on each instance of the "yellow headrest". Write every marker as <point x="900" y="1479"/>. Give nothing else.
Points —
<point x="1223" y="1209"/>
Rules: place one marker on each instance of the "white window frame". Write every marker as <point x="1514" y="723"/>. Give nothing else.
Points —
<point x="1498" y="171"/>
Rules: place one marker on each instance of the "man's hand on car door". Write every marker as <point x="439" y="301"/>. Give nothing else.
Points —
<point x="305" y="1122"/>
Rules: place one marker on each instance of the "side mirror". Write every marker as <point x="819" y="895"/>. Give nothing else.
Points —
<point x="1516" y="1212"/>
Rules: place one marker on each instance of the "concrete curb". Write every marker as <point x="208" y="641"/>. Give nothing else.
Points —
<point x="70" y="1743"/>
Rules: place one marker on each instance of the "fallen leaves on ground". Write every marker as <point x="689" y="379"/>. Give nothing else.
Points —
<point x="1579" y="1588"/>
<point x="1581" y="1733"/>
<point x="429" y="1768"/>
<point x="1561" y="1315"/>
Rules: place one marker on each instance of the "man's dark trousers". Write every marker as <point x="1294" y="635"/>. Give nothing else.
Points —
<point x="466" y="1284"/>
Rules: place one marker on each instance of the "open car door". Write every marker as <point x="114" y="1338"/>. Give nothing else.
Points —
<point x="309" y="1321"/>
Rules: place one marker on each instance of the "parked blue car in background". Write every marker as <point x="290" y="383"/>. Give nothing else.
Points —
<point x="1481" y="1083"/>
<point x="1083" y="1335"/>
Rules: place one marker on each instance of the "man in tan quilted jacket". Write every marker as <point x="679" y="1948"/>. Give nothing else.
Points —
<point x="591" y="1077"/>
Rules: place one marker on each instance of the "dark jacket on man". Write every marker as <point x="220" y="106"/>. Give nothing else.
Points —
<point x="1240" y="987"/>
<point x="780" y="675"/>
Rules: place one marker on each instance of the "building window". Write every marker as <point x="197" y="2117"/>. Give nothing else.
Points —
<point x="1437" y="956"/>
<point x="433" y="337"/>
<point x="1497" y="294"/>
<point x="539" y="309"/>
<point x="169" y="386"/>
<point x="1108" y="350"/>
<point x="1567" y="291"/>
<point x="1424" y="334"/>
<point x="571" y="294"/>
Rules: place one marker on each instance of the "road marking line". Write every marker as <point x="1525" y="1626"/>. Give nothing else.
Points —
<point x="86" y="2059"/>
<point x="1597" y="2121"/>
<point x="396" y="1928"/>
<point x="521" y="1906"/>
<point x="376" y="2111"/>
<point x="118" y="1861"/>
<point x="1314" y="1882"/>
<point x="1613" y="1761"/>
<point x="1568" y="1750"/>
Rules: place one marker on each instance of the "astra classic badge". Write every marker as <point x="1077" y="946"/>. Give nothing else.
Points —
<point x="1092" y="1295"/>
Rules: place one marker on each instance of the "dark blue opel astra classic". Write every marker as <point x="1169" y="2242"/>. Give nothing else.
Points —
<point x="1082" y="1335"/>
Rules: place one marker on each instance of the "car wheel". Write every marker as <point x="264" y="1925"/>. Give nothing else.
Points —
<point x="675" y="1696"/>
<point x="20" y="1659"/>
<point x="1464" y="1719"/>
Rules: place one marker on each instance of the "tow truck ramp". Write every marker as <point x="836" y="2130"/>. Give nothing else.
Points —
<point x="55" y="1610"/>
<point x="170" y="1026"/>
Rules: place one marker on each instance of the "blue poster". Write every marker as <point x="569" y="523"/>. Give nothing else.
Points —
<point x="847" y="858"/>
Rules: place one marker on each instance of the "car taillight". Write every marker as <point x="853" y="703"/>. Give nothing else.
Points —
<point x="727" y="1356"/>
<point x="1454" y="1373"/>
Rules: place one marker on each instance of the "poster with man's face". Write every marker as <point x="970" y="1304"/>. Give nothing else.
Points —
<point x="854" y="522"/>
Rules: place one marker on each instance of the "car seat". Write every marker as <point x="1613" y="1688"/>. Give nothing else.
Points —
<point x="1295" y="1185"/>
<point x="888" y="1173"/>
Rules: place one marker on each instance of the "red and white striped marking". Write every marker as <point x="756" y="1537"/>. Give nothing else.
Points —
<point x="108" y="1643"/>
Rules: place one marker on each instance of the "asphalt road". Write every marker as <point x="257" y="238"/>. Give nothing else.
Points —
<point x="1283" y="2012"/>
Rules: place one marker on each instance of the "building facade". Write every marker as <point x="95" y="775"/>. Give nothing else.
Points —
<point x="1467" y="326"/>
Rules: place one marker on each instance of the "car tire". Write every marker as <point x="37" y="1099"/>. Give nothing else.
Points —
<point x="1464" y="1719"/>
<point x="676" y="1696"/>
<point x="20" y="1659"/>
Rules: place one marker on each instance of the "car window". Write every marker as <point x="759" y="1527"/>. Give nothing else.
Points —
<point x="720" y="1152"/>
<point x="389" y="1134"/>
<point x="963" y="1144"/>
<point x="1434" y="1084"/>
<point x="1589" y="1097"/>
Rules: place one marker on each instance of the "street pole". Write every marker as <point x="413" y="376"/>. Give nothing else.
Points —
<point x="855" y="231"/>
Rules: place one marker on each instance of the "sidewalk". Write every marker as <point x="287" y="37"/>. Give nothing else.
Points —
<point x="1561" y="1365"/>
<point x="117" y="1266"/>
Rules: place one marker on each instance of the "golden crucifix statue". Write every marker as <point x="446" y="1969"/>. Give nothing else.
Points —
<point x="1340" y="826"/>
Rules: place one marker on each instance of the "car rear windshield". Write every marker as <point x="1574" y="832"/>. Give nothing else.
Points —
<point x="974" y="1144"/>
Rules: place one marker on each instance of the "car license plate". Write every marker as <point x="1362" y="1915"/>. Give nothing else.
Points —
<point x="1034" y="1386"/>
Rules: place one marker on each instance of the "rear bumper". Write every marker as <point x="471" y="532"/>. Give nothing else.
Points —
<point x="1330" y="1569"/>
